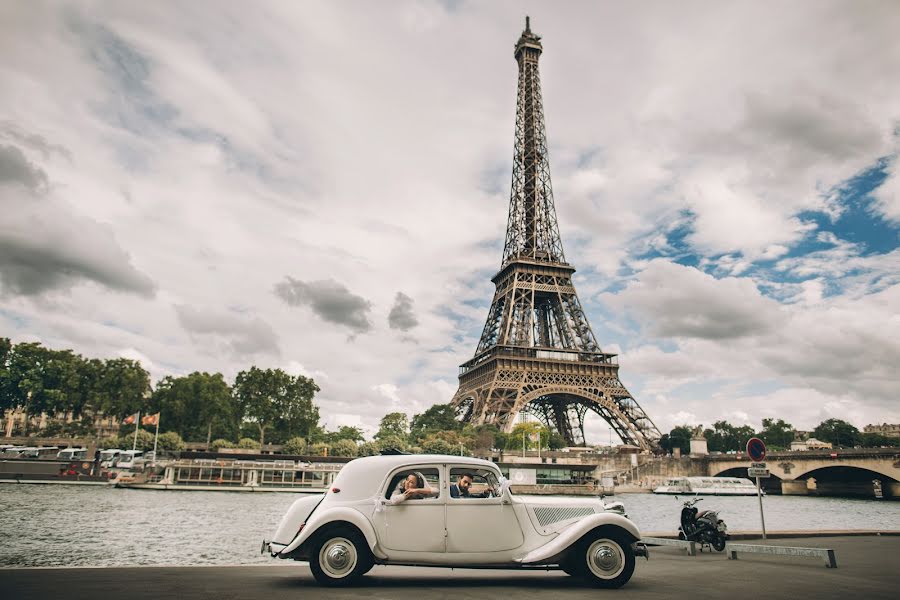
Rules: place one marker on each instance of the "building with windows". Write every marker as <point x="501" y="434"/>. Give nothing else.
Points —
<point x="885" y="429"/>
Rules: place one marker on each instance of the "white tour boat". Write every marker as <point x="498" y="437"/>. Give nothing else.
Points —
<point x="233" y="475"/>
<point x="711" y="486"/>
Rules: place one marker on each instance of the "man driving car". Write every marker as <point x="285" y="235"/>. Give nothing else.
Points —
<point x="460" y="489"/>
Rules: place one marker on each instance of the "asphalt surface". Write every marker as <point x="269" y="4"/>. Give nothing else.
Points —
<point x="868" y="567"/>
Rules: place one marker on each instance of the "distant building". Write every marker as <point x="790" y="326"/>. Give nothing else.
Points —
<point x="885" y="429"/>
<point x="809" y="444"/>
<point x="17" y="422"/>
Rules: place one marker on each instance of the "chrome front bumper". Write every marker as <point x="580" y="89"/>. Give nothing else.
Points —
<point x="641" y="549"/>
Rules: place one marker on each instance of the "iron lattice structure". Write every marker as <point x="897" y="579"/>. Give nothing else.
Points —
<point x="537" y="353"/>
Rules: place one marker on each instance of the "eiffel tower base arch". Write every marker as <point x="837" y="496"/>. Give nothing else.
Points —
<point x="559" y="400"/>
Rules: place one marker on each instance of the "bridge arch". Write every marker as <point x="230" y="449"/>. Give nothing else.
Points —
<point x="848" y="480"/>
<point x="879" y="471"/>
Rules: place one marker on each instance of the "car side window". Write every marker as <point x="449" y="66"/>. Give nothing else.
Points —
<point x="466" y="483"/>
<point x="419" y="478"/>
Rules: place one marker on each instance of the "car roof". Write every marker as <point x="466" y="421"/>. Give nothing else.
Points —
<point x="363" y="477"/>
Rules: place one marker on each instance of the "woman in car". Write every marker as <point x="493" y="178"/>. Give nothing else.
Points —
<point x="412" y="487"/>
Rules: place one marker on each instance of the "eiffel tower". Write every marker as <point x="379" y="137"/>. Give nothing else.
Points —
<point x="537" y="353"/>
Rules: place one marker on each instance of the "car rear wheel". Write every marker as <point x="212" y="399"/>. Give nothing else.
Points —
<point x="606" y="560"/>
<point x="339" y="557"/>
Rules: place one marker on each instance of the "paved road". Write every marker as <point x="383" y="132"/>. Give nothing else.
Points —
<point x="868" y="567"/>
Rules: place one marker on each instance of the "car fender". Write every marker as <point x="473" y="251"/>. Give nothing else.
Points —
<point x="575" y="532"/>
<point x="296" y="516"/>
<point x="321" y="518"/>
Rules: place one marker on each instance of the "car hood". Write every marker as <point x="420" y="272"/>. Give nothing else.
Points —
<point x="563" y="501"/>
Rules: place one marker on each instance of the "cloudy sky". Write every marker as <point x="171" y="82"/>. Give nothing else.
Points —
<point x="323" y="187"/>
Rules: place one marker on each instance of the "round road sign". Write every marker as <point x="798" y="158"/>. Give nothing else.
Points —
<point x="756" y="449"/>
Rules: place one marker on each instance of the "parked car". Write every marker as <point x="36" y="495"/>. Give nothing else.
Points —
<point x="359" y="523"/>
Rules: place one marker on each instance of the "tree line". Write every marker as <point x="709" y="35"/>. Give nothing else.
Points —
<point x="776" y="433"/>
<point x="270" y="405"/>
<point x="264" y="404"/>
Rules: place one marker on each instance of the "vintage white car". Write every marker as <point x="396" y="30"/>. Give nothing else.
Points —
<point x="363" y="520"/>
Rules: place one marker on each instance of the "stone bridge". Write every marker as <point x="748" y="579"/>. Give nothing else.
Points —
<point x="824" y="472"/>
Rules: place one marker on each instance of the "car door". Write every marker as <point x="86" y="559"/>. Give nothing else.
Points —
<point x="415" y="525"/>
<point x="480" y="524"/>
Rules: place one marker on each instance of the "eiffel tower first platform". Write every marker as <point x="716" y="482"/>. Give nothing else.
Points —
<point x="537" y="352"/>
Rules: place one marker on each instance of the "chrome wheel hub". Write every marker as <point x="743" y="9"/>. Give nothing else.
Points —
<point x="338" y="557"/>
<point x="605" y="558"/>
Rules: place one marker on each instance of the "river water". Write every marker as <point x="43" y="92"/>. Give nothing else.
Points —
<point x="56" y="525"/>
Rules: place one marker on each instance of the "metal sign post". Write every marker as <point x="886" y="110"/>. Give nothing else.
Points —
<point x="756" y="450"/>
<point x="762" y="518"/>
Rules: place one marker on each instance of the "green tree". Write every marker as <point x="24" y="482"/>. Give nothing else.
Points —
<point x="460" y="441"/>
<point x="679" y="437"/>
<point x="368" y="449"/>
<point x="272" y="397"/>
<point x="839" y="433"/>
<point x="344" y="448"/>
<point x="556" y="441"/>
<point x="433" y="444"/>
<point x="395" y="424"/>
<point x="392" y="442"/>
<point x="295" y="445"/>
<point x="144" y="440"/>
<point x="248" y="444"/>
<point x="485" y="436"/>
<point x="298" y="415"/>
<point x="170" y="442"/>
<point x="534" y="434"/>
<point x="345" y="432"/>
<point x="440" y="417"/>
<point x="194" y="404"/>
<point x="6" y="347"/>
<point x="876" y="440"/>
<point x="40" y="380"/>
<point x="123" y="387"/>
<point x="218" y="444"/>
<point x="777" y="434"/>
<point x="319" y="449"/>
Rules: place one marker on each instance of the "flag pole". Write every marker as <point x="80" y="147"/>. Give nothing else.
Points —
<point x="156" y="439"/>
<point x="137" y="424"/>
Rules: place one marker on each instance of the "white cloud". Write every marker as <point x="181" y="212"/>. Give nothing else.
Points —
<point x="678" y="301"/>
<point x="887" y="195"/>
<point x="728" y="338"/>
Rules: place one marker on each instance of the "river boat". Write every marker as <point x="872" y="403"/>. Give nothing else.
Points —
<point x="234" y="475"/>
<point x="708" y="486"/>
<point x="51" y="471"/>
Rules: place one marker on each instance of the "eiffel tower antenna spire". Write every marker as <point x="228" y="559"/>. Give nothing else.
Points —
<point x="537" y="352"/>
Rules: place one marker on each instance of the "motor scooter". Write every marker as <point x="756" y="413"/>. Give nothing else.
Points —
<point x="705" y="527"/>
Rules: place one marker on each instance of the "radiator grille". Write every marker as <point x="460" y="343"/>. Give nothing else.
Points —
<point x="554" y="514"/>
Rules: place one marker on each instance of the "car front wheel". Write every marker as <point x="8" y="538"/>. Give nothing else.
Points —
<point x="339" y="557"/>
<point x="606" y="561"/>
